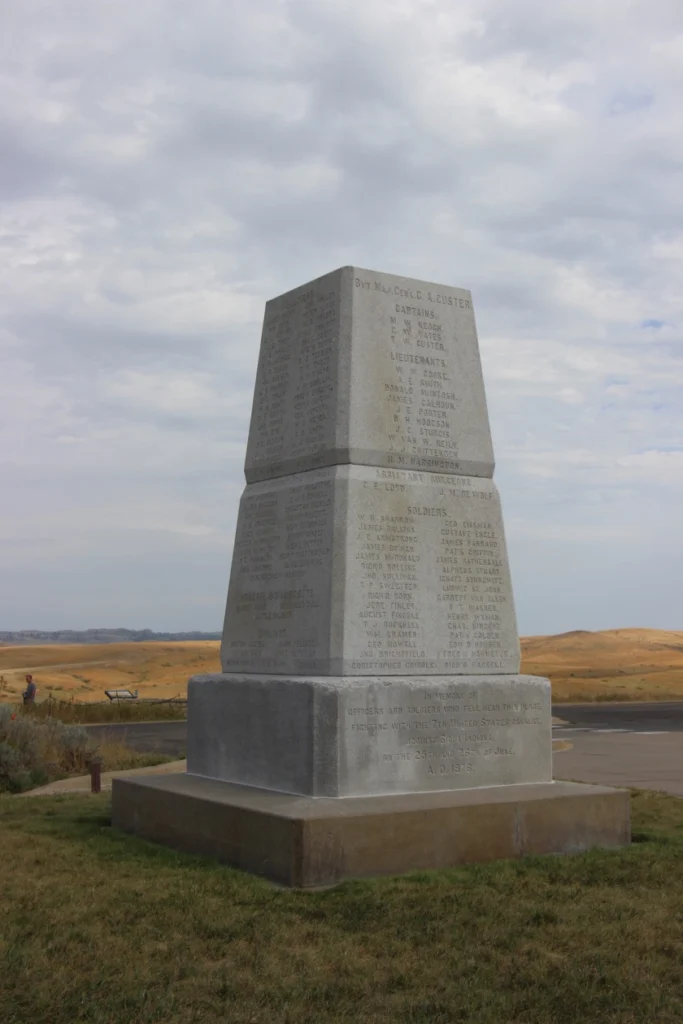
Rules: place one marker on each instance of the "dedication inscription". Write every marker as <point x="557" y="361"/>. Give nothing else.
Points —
<point x="445" y="736"/>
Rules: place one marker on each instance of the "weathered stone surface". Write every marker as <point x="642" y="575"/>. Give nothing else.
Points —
<point x="360" y="570"/>
<point x="359" y="736"/>
<point x="307" y="842"/>
<point x="370" y="647"/>
<point x="372" y="369"/>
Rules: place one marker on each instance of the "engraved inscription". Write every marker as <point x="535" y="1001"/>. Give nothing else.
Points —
<point x="432" y="591"/>
<point x="421" y="392"/>
<point x="425" y="374"/>
<point x="426" y="587"/>
<point x="451" y="735"/>
<point x="294" y="398"/>
<point x="276" y="617"/>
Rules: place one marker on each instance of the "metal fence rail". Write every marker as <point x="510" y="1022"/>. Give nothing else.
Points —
<point x="50" y="700"/>
<point x="102" y="711"/>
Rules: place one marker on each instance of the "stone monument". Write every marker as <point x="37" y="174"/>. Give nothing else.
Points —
<point x="370" y="716"/>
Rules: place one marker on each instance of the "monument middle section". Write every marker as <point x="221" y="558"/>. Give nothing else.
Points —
<point x="369" y="571"/>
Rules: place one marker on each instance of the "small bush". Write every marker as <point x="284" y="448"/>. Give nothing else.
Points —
<point x="74" y="745"/>
<point x="14" y="777"/>
<point x="34" y="750"/>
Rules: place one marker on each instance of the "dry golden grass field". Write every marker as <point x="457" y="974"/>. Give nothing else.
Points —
<point x="85" y="671"/>
<point x="616" y="664"/>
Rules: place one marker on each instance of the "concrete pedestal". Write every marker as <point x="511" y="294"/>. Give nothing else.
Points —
<point x="359" y="736"/>
<point x="307" y="842"/>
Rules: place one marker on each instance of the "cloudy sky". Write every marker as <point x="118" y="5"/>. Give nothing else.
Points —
<point x="167" y="166"/>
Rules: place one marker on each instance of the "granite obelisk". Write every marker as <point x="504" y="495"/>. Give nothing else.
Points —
<point x="370" y="651"/>
<point x="370" y="605"/>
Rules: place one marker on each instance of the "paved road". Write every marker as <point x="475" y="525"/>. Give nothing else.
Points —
<point x="654" y="717"/>
<point x="170" y="737"/>
<point x="634" y="760"/>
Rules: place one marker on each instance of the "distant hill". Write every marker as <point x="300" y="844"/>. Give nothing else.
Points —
<point x="27" y="637"/>
<point x="613" y="664"/>
<point x="616" y="664"/>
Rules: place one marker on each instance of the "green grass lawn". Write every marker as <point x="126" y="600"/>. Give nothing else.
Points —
<point x="99" y="927"/>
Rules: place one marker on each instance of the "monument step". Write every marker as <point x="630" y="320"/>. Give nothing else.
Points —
<point x="308" y="842"/>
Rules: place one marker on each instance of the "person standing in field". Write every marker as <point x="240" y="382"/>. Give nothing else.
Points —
<point x="29" y="693"/>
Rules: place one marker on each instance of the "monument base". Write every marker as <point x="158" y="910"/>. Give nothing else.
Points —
<point x="359" y="736"/>
<point x="307" y="842"/>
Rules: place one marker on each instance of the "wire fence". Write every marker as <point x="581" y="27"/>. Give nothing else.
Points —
<point x="116" y="709"/>
<point x="50" y="701"/>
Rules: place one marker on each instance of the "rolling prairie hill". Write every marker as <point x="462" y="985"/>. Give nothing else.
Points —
<point x="85" y="671"/>
<point x="617" y="664"/>
<point x="614" y="664"/>
<point x="43" y="637"/>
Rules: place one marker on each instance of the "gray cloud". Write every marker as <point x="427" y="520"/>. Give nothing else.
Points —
<point x="168" y="167"/>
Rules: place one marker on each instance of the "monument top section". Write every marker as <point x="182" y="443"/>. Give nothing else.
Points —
<point x="369" y="369"/>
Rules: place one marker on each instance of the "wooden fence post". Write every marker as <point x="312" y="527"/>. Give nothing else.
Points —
<point x="95" y="767"/>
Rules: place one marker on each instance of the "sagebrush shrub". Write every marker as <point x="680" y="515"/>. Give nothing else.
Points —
<point x="75" y="747"/>
<point x="33" y="749"/>
<point x="14" y="776"/>
<point x="6" y="713"/>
